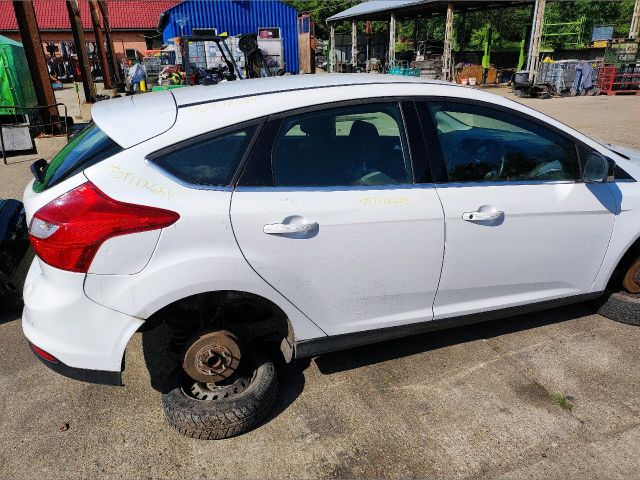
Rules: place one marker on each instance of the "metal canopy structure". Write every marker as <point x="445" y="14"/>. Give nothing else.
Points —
<point x="393" y="10"/>
<point x="402" y="9"/>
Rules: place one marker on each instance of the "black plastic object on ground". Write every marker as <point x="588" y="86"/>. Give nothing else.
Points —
<point x="14" y="244"/>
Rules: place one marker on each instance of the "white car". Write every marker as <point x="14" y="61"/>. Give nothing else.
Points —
<point x="319" y="212"/>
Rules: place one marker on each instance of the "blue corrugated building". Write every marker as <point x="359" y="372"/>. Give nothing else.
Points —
<point x="235" y="17"/>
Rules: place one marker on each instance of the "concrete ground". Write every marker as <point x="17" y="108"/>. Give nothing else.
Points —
<point x="546" y="395"/>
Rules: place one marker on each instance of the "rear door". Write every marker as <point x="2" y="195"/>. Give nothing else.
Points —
<point x="328" y="213"/>
<point x="521" y="225"/>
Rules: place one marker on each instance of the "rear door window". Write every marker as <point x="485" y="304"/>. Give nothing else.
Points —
<point x="357" y="145"/>
<point x="87" y="148"/>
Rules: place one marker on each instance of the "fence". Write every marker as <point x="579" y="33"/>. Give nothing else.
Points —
<point x="34" y="125"/>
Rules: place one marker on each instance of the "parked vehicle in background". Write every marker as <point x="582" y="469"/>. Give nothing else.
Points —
<point x="311" y="213"/>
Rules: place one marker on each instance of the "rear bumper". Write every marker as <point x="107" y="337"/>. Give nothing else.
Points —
<point x="84" y="336"/>
<point x="102" y="377"/>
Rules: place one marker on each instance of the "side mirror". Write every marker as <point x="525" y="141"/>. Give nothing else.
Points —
<point x="598" y="169"/>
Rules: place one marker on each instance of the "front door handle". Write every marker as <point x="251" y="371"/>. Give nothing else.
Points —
<point x="480" y="216"/>
<point x="284" y="228"/>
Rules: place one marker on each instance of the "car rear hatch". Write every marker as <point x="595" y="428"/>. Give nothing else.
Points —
<point x="117" y="124"/>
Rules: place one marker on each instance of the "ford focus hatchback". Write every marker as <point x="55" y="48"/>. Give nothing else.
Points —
<point x="313" y="213"/>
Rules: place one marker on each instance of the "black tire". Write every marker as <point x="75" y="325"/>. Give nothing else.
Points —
<point x="622" y="307"/>
<point x="225" y="417"/>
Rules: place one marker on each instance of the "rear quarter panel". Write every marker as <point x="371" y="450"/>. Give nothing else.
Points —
<point x="197" y="254"/>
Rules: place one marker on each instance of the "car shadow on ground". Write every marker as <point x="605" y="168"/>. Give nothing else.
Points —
<point x="402" y="347"/>
<point x="291" y="376"/>
<point x="9" y="313"/>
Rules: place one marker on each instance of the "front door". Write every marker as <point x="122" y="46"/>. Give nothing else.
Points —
<point x="337" y="225"/>
<point x="521" y="226"/>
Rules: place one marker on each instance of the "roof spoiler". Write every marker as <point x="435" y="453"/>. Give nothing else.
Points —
<point x="134" y="119"/>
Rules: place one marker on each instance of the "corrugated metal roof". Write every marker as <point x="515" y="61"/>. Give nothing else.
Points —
<point x="236" y="18"/>
<point x="381" y="9"/>
<point x="373" y="6"/>
<point x="123" y="14"/>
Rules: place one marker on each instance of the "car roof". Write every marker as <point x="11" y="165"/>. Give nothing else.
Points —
<point x="261" y="86"/>
<point x="175" y="115"/>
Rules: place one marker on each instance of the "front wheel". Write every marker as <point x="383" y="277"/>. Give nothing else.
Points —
<point x="211" y="411"/>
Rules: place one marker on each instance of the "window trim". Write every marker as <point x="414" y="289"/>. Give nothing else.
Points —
<point x="212" y="135"/>
<point x="264" y="145"/>
<point x="440" y="173"/>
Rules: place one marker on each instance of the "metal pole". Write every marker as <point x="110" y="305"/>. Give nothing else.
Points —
<point x="392" y="40"/>
<point x="634" y="31"/>
<point x="533" y="28"/>
<point x="26" y="17"/>
<point x="111" y="56"/>
<point x="102" y="54"/>
<point x="354" y="45"/>
<point x="81" y="51"/>
<point x="537" y="39"/>
<point x="448" y="35"/>
<point x="332" y="49"/>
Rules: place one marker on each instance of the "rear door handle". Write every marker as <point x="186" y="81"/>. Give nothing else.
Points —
<point x="479" y="216"/>
<point x="284" y="228"/>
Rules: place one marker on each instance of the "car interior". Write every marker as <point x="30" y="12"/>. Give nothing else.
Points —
<point x="310" y="152"/>
<point x="478" y="153"/>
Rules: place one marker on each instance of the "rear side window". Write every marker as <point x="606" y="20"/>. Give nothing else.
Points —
<point x="211" y="162"/>
<point x="357" y="145"/>
<point x="87" y="148"/>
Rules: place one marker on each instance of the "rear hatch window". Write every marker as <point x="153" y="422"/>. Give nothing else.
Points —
<point x="87" y="148"/>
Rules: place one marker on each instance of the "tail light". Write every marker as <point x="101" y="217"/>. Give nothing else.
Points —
<point x="67" y="232"/>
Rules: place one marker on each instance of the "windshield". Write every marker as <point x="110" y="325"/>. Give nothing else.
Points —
<point x="87" y="148"/>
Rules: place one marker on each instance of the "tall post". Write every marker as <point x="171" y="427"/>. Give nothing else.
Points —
<point x="634" y="31"/>
<point x="354" y="45"/>
<point x="81" y="51"/>
<point x="534" y="54"/>
<point x="463" y="34"/>
<point x="332" y="48"/>
<point x="32" y="43"/>
<point x="102" y="54"/>
<point x="392" y="39"/>
<point x="111" y="56"/>
<point x="531" y="34"/>
<point x="448" y="36"/>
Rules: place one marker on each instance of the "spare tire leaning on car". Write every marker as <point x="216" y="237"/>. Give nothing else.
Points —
<point x="621" y="300"/>
<point x="621" y="306"/>
<point x="221" y="411"/>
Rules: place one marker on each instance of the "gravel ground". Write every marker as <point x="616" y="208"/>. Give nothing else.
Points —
<point x="546" y="395"/>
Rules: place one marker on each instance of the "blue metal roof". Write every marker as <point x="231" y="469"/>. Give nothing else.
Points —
<point x="237" y="17"/>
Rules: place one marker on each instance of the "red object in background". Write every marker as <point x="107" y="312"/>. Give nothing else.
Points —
<point x="611" y="81"/>
<point x="123" y="14"/>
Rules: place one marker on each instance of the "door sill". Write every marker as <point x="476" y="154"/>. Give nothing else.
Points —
<point x="332" y="343"/>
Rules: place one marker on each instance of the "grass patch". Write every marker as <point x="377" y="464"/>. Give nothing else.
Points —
<point x="562" y="401"/>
